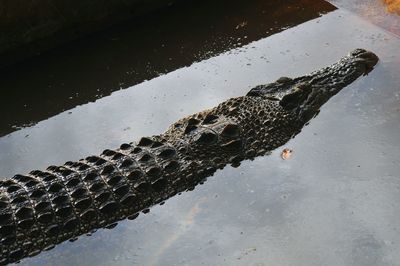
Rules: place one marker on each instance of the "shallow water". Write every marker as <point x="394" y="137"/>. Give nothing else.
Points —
<point x="335" y="202"/>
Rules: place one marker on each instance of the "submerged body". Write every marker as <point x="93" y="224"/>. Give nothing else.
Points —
<point x="44" y="208"/>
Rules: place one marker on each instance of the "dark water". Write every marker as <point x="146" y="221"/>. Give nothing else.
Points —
<point x="145" y="48"/>
<point x="335" y="202"/>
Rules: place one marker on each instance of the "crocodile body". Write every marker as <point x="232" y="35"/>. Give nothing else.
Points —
<point x="43" y="208"/>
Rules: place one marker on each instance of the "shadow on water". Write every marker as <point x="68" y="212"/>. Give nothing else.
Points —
<point x="142" y="49"/>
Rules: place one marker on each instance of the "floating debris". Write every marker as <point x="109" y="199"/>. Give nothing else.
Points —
<point x="286" y="154"/>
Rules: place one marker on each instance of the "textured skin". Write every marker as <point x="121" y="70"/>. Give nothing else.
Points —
<point x="43" y="208"/>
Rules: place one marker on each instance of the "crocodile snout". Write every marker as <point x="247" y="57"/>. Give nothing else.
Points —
<point x="367" y="57"/>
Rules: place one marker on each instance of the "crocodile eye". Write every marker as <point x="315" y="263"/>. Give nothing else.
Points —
<point x="295" y="96"/>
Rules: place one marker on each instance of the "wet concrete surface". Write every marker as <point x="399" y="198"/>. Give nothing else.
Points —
<point x="335" y="202"/>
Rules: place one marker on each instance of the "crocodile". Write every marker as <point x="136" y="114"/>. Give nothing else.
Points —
<point x="41" y="209"/>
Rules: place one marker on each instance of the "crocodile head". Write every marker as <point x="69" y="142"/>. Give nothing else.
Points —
<point x="305" y="95"/>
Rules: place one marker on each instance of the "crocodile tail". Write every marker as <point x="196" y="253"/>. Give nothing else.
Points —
<point x="44" y="208"/>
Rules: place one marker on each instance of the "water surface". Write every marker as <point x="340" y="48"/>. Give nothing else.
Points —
<point x="335" y="202"/>
<point x="146" y="47"/>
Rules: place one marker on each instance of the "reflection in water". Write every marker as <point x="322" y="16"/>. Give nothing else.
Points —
<point x="101" y="190"/>
<point x="343" y="177"/>
<point x="184" y="227"/>
<point x="143" y="49"/>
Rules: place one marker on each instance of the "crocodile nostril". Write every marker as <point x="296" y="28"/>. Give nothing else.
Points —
<point x="370" y="59"/>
